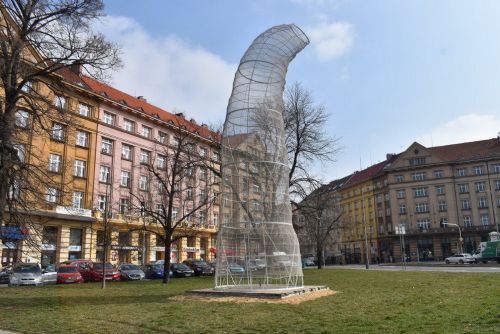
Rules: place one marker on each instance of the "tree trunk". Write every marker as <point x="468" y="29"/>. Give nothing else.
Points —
<point x="319" y="256"/>
<point x="166" y="263"/>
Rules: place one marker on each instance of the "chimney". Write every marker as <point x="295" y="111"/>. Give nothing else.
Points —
<point x="180" y="114"/>
<point x="388" y="156"/>
<point x="192" y="120"/>
<point x="498" y="136"/>
<point x="76" y="68"/>
<point x="142" y="98"/>
<point x="203" y="125"/>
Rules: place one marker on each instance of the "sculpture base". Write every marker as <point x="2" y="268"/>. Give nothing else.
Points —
<point x="267" y="293"/>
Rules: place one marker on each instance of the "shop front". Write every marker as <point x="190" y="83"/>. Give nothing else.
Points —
<point x="49" y="245"/>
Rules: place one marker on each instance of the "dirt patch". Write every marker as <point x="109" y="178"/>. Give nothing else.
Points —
<point x="295" y="299"/>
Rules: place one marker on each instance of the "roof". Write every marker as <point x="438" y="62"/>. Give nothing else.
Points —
<point x="468" y="151"/>
<point x="365" y="174"/>
<point x="130" y="101"/>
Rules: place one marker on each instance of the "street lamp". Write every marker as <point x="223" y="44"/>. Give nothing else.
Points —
<point x="460" y="240"/>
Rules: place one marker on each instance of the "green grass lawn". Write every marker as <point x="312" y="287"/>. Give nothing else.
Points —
<point x="367" y="302"/>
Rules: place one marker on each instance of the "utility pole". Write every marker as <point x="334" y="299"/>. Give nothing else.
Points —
<point x="367" y="261"/>
<point x="105" y="245"/>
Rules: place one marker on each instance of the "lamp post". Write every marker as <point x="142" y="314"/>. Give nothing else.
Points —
<point x="460" y="240"/>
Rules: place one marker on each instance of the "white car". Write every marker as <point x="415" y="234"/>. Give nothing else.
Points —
<point x="460" y="258"/>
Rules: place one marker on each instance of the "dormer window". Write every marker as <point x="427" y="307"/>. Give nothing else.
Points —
<point x="60" y="101"/>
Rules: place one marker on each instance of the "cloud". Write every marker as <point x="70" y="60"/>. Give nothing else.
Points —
<point x="465" y="128"/>
<point x="169" y="72"/>
<point x="331" y="40"/>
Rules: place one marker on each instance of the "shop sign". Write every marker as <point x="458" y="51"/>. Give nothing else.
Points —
<point x="49" y="247"/>
<point x="117" y="247"/>
<point x="191" y="249"/>
<point x="74" y="248"/>
<point x="67" y="210"/>
<point x="13" y="233"/>
<point x="158" y="248"/>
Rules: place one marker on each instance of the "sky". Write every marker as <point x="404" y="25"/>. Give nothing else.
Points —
<point x="388" y="72"/>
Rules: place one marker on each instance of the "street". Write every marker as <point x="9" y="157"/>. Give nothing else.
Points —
<point x="474" y="268"/>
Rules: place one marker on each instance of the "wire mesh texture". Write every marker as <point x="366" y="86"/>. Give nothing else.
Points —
<point x="257" y="247"/>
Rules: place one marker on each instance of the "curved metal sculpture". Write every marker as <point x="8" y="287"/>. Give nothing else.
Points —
<point x="257" y="246"/>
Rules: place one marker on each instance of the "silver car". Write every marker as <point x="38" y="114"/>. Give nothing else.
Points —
<point x="460" y="258"/>
<point x="131" y="272"/>
<point x="32" y="274"/>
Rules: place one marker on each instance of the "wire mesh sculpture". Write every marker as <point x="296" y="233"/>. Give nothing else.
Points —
<point x="257" y="246"/>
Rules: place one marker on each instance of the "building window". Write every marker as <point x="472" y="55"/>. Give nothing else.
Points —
<point x="203" y="173"/>
<point x="215" y="219"/>
<point x="216" y="156"/>
<point x="52" y="194"/>
<point x="498" y="201"/>
<point x="54" y="163"/>
<point x="418" y="176"/>
<point x="203" y="152"/>
<point x="478" y="170"/>
<point x="402" y="209"/>
<point x="465" y="204"/>
<point x="442" y="206"/>
<point x="417" y="161"/>
<point x="483" y="203"/>
<point x="400" y="193"/>
<point x="399" y="178"/>
<point x="143" y="182"/>
<point x="439" y="190"/>
<point x="439" y="174"/>
<point x="128" y="125"/>
<point x="443" y="222"/>
<point x="463" y="188"/>
<point x="108" y="118"/>
<point x="57" y="131"/>
<point x="189" y="194"/>
<point x="82" y="138"/>
<point x="160" y="187"/>
<point x="77" y="201"/>
<point x="201" y="216"/>
<point x="104" y="174"/>
<point x="127" y="152"/>
<point x="80" y="168"/>
<point x="480" y="187"/>
<point x="467" y="221"/>
<point x="421" y="207"/>
<point x="146" y="131"/>
<point x="83" y="109"/>
<point x="162" y="137"/>
<point x="461" y="171"/>
<point x="106" y="146"/>
<point x="101" y="202"/>
<point x="496" y="168"/>
<point x="60" y="101"/>
<point x="124" y="206"/>
<point x="423" y="224"/>
<point x="27" y="87"/>
<point x="22" y="118"/>
<point x="203" y="196"/>
<point x="20" y="151"/>
<point x="145" y="157"/>
<point x="497" y="184"/>
<point x="161" y="161"/>
<point x="485" y="220"/>
<point x="125" y="179"/>
<point x="174" y="213"/>
<point x="420" y="192"/>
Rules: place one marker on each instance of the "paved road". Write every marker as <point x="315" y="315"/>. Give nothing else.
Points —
<point x="447" y="268"/>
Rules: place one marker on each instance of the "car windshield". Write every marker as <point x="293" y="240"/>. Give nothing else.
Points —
<point x="200" y="263"/>
<point x="181" y="266"/>
<point x="27" y="269"/>
<point x="68" y="270"/>
<point x="129" y="267"/>
<point x="157" y="266"/>
<point x="106" y="266"/>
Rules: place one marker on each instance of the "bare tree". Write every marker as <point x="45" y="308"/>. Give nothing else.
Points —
<point x="182" y="188"/>
<point x="39" y="41"/>
<point x="319" y="217"/>
<point x="306" y="139"/>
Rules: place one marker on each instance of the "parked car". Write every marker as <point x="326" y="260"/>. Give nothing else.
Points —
<point x="83" y="267"/>
<point x="181" y="270"/>
<point x="154" y="270"/>
<point x="31" y="274"/>
<point x="5" y="274"/>
<point x="200" y="267"/>
<point x="460" y="258"/>
<point x="110" y="272"/>
<point x="68" y="274"/>
<point x="308" y="262"/>
<point x="232" y="268"/>
<point x="131" y="272"/>
<point x="257" y="264"/>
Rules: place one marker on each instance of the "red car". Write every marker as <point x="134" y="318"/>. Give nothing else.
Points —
<point x="68" y="274"/>
<point x="110" y="272"/>
<point x="82" y="265"/>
